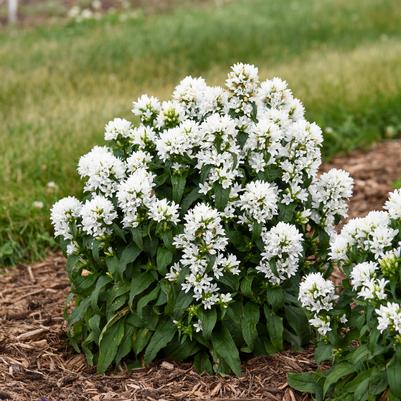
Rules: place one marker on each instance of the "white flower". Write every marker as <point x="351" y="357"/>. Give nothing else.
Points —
<point x="214" y="100"/>
<point x="178" y="141"/>
<point x="171" y="114"/>
<point x="393" y="204"/>
<point x="119" y="127"/>
<point x="147" y="108"/>
<point x="317" y="294"/>
<point x="380" y="239"/>
<point x="189" y="92"/>
<point x="338" y="248"/>
<point x="258" y="202"/>
<point x="138" y="160"/>
<point x="364" y="281"/>
<point x="389" y="317"/>
<point x="133" y="193"/>
<point x="102" y="169"/>
<point x="63" y="213"/>
<point x="321" y="323"/>
<point x="362" y="273"/>
<point x="97" y="215"/>
<point x="143" y="137"/>
<point x="283" y="248"/>
<point x="163" y="210"/>
<point x="331" y="193"/>
<point x="243" y="79"/>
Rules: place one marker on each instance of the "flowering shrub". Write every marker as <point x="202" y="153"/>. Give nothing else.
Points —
<point x="360" y="326"/>
<point x="197" y="225"/>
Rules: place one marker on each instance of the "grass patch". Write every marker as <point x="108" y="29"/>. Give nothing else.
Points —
<point x="61" y="84"/>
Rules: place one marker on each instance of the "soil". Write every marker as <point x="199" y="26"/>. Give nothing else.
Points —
<point x="36" y="362"/>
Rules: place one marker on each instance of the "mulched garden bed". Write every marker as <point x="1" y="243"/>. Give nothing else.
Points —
<point x="36" y="362"/>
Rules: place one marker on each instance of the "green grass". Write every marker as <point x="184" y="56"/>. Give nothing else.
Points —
<point x="60" y="85"/>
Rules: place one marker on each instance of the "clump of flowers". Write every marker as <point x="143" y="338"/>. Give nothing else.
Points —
<point x="198" y="224"/>
<point x="363" y="335"/>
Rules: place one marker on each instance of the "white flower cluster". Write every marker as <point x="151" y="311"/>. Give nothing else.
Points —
<point x="372" y="234"/>
<point x="245" y="150"/>
<point x="258" y="202"/>
<point x="364" y="280"/>
<point x="330" y="194"/>
<point x="376" y="240"/>
<point x="281" y="256"/>
<point x="102" y="169"/>
<point x="204" y="261"/>
<point x="63" y="214"/>
<point x="389" y="317"/>
<point x="318" y="296"/>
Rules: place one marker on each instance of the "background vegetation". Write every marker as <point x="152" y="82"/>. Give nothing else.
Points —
<point x="61" y="83"/>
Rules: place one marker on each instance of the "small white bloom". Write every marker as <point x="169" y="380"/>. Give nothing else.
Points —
<point x="393" y="204"/>
<point x="63" y="213"/>
<point x="97" y="215"/>
<point x="317" y="294"/>
<point x="116" y="129"/>
<point x="389" y="317"/>
<point x="163" y="210"/>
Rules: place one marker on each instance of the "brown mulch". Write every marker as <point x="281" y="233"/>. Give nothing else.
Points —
<point x="36" y="362"/>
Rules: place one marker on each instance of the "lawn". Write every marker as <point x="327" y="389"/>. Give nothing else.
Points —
<point x="60" y="84"/>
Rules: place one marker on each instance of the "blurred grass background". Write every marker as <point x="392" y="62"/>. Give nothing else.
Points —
<point x="60" y="83"/>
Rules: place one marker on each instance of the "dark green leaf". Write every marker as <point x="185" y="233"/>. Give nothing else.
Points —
<point x="249" y="321"/>
<point x="275" y="297"/>
<point x="202" y="363"/>
<point x="189" y="199"/>
<point x="226" y="349"/>
<point x="178" y="184"/>
<point x="109" y="345"/>
<point x="221" y="196"/>
<point x="163" y="259"/>
<point x="208" y="319"/>
<point x="275" y="329"/>
<point x="100" y="284"/>
<point x="140" y="282"/>
<point x="147" y="298"/>
<point x="394" y="376"/>
<point x="141" y="339"/>
<point x="306" y="383"/>
<point x="323" y="352"/>
<point x="162" y="336"/>
<point x="336" y="373"/>
<point x="246" y="286"/>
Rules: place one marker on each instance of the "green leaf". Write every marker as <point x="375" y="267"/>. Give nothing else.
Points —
<point x="275" y="297"/>
<point x="208" y="319"/>
<point x="323" y="352"/>
<point x="146" y="299"/>
<point x="141" y="339"/>
<point x="249" y="321"/>
<point x="221" y="196"/>
<point x="163" y="259"/>
<point x="394" y="377"/>
<point x="109" y="345"/>
<point x="178" y="351"/>
<point x="246" y="286"/>
<point x="202" y="363"/>
<point x="336" y="373"/>
<point x="226" y="349"/>
<point x="102" y="282"/>
<point x="180" y="305"/>
<point x="178" y="183"/>
<point x="297" y="320"/>
<point x="162" y="336"/>
<point x="129" y="255"/>
<point x="275" y="329"/>
<point x="139" y="283"/>
<point x="306" y="383"/>
<point x="286" y="212"/>
<point x="137" y="237"/>
<point x="126" y="344"/>
<point x="189" y="199"/>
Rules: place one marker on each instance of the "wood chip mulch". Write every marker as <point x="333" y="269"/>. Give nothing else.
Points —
<point x="36" y="362"/>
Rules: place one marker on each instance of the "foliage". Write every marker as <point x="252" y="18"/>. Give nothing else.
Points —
<point x="59" y="81"/>
<point x="363" y="334"/>
<point x="197" y="225"/>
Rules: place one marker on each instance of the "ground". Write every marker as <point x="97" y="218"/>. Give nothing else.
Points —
<point x="37" y="363"/>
